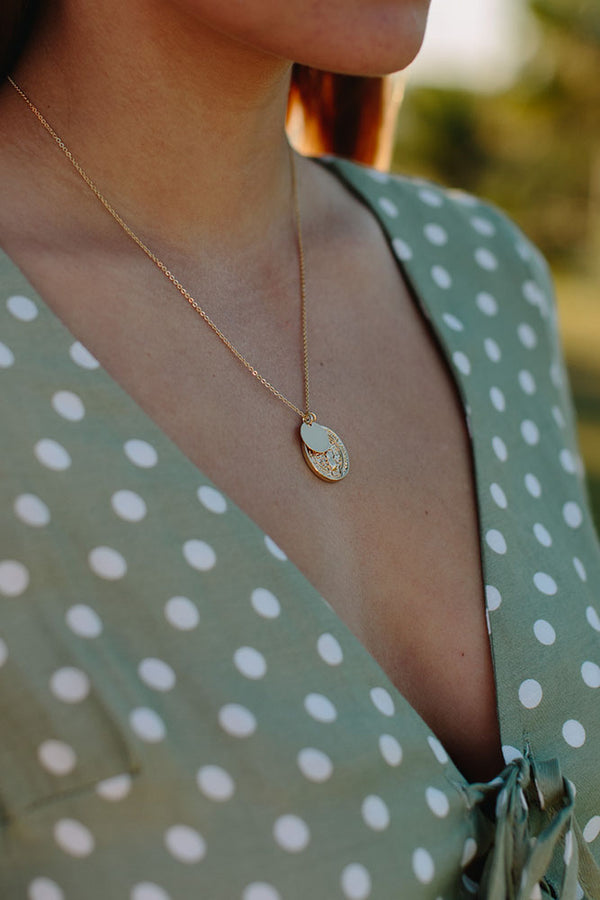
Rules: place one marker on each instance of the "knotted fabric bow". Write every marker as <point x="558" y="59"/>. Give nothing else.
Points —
<point x="532" y="844"/>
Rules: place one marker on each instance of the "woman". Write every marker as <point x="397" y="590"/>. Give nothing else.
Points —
<point x="223" y="677"/>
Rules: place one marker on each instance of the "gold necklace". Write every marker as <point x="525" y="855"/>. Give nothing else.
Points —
<point x="323" y="450"/>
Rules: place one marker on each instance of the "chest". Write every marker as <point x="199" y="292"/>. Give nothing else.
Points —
<point x="394" y="547"/>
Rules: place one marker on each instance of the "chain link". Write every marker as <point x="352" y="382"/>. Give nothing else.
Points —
<point x="306" y="416"/>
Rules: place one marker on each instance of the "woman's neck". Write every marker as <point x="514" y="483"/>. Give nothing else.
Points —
<point x="181" y="127"/>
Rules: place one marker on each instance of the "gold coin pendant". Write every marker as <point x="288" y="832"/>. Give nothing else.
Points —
<point x="330" y="463"/>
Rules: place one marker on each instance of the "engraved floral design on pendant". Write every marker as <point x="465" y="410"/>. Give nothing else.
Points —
<point x="332" y="464"/>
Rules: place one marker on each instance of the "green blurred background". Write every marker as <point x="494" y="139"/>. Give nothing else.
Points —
<point x="505" y="102"/>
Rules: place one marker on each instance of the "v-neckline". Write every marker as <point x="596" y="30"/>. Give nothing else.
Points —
<point x="332" y="165"/>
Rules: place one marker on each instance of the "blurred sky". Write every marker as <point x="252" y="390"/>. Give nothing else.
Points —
<point x="475" y="44"/>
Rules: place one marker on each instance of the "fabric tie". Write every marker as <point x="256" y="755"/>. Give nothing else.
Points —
<point x="527" y="814"/>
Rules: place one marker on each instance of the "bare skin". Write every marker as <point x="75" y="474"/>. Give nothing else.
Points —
<point x="395" y="547"/>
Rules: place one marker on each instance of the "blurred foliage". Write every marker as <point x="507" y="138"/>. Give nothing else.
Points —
<point x="534" y="151"/>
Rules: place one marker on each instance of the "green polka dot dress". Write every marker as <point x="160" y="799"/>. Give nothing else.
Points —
<point x="182" y="715"/>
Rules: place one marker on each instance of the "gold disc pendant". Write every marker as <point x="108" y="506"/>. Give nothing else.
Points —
<point x="324" y="451"/>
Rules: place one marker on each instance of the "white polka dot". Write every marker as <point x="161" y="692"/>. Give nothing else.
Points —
<point x="423" y="866"/>
<point x="527" y="335"/>
<point x="469" y="851"/>
<point x="273" y="549"/>
<point x="291" y="833"/>
<point x="590" y="672"/>
<point x="592" y="829"/>
<point x="250" y="662"/>
<point x="510" y="754"/>
<point x="215" y="783"/>
<point x="355" y="882"/>
<point x="527" y="382"/>
<point x="181" y="613"/>
<point x="22" y="308"/>
<point x="437" y="749"/>
<point x="147" y="890"/>
<point x="483" y="226"/>
<point x="542" y="535"/>
<point x="452" y="322"/>
<point x="441" y="276"/>
<point x="107" y="563"/>
<point x="382" y="700"/>
<point x="73" y="837"/>
<point x="579" y="568"/>
<point x="497" y="398"/>
<point x="185" y="844"/>
<point x="487" y="304"/>
<point x="83" y="621"/>
<point x="493" y="597"/>
<point x="567" y="461"/>
<point x="375" y="813"/>
<point x="530" y="693"/>
<point x="237" y="720"/>
<point x="461" y="361"/>
<point x="7" y="357"/>
<point x="52" y="455"/>
<point x="147" y="724"/>
<point x="44" y="889"/>
<point x="498" y="496"/>
<point x="499" y="448"/>
<point x="157" y="674"/>
<point x="495" y="540"/>
<point x="314" y="764"/>
<point x="31" y="510"/>
<point x="265" y="603"/>
<point x="573" y="733"/>
<point x="115" y="788"/>
<point x="430" y="197"/>
<point x="70" y="685"/>
<point x="381" y="178"/>
<point x="593" y="618"/>
<point x="260" y="890"/>
<point x="57" y="757"/>
<point x="435" y="234"/>
<point x="389" y="208"/>
<point x="556" y="375"/>
<point x="3" y="652"/>
<point x="68" y="405"/>
<point x="128" y="505"/>
<point x="390" y="749"/>
<point x="532" y="485"/>
<point x="320" y="708"/>
<point x="401" y="249"/>
<point x="437" y="801"/>
<point x="545" y="583"/>
<point x="532" y="293"/>
<point x="530" y="432"/>
<point x="82" y="356"/>
<point x="544" y="632"/>
<point x="14" y="577"/>
<point x="558" y="417"/>
<point x="329" y="649"/>
<point x="199" y="555"/>
<point x="492" y="350"/>
<point x="212" y="499"/>
<point x="486" y="259"/>
<point x="572" y="514"/>
<point x="140" y="453"/>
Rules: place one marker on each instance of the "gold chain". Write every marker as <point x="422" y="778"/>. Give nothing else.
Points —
<point x="307" y="416"/>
